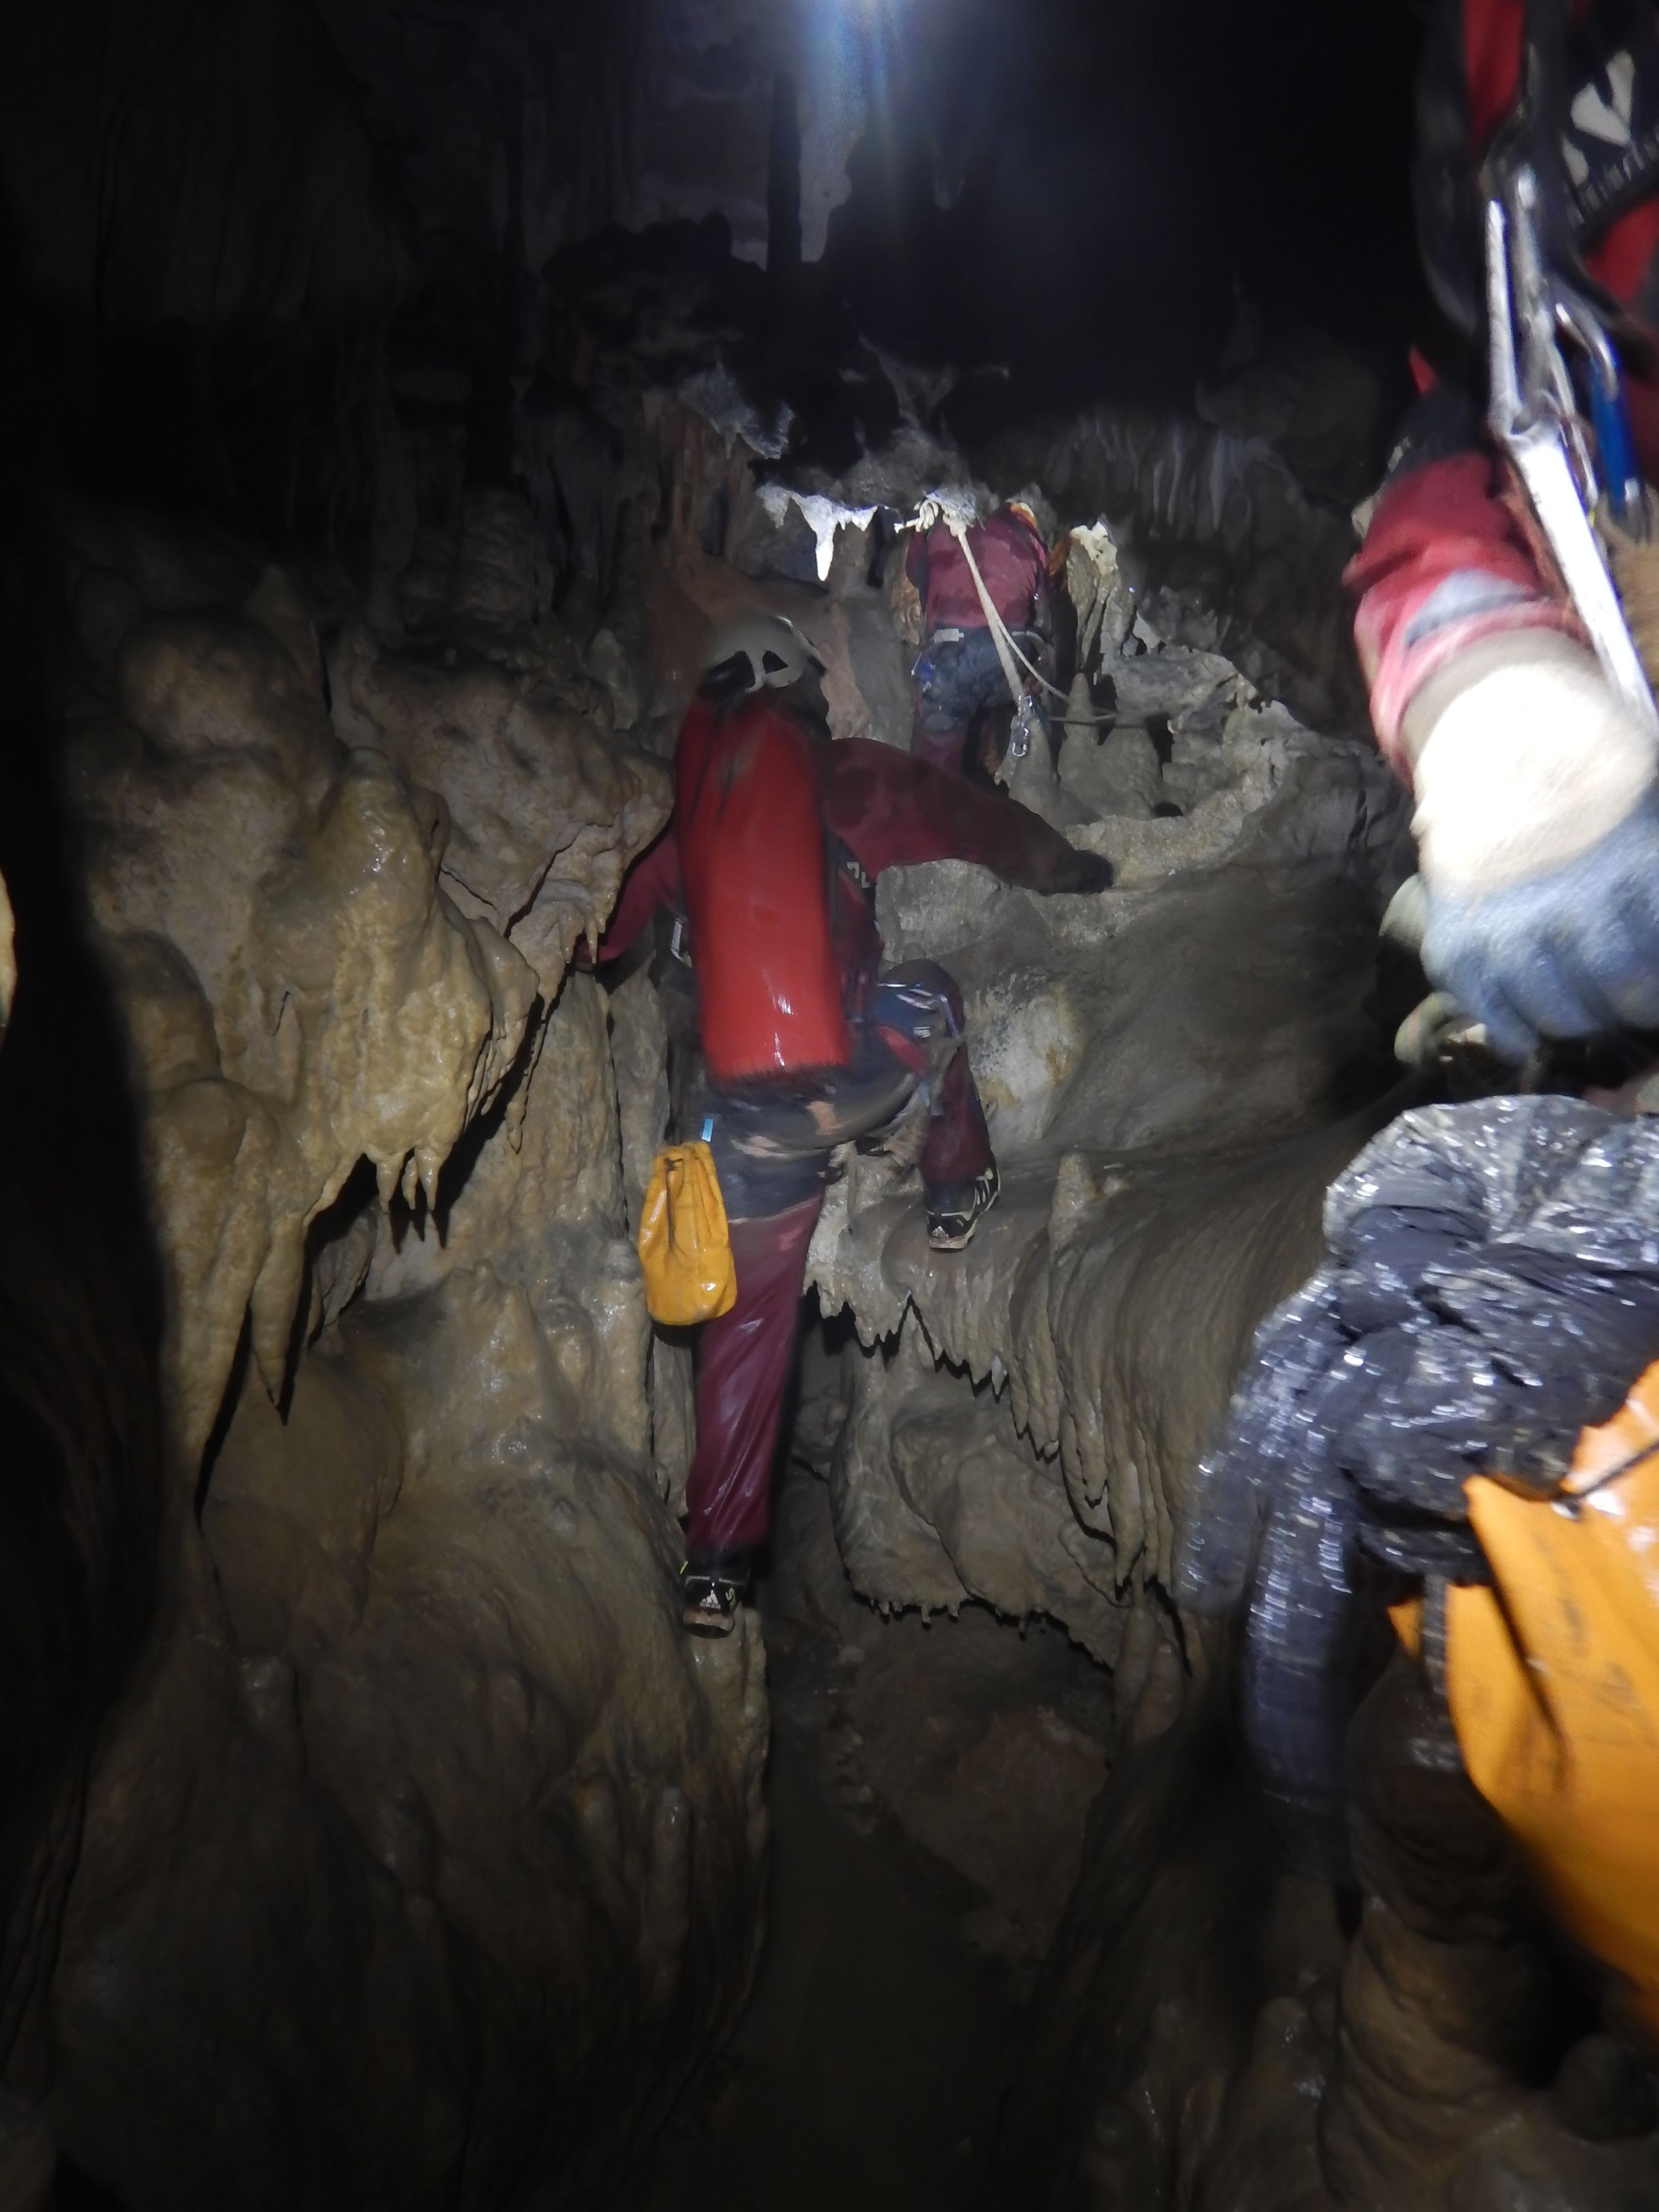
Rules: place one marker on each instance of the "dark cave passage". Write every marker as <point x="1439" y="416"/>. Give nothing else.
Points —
<point x="927" y="1791"/>
<point x="543" y="544"/>
<point x="873" y="2057"/>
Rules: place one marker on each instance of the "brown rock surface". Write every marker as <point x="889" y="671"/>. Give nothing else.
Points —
<point x="421" y="1851"/>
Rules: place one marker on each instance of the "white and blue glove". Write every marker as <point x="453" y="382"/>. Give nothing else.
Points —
<point x="1537" y="834"/>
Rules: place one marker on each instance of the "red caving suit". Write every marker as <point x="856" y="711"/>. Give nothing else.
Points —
<point x="778" y="838"/>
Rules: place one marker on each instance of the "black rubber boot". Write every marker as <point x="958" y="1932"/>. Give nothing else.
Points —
<point x="954" y="1213"/>
<point x="712" y="1591"/>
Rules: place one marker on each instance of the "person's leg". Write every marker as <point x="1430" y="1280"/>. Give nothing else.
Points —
<point x="917" y="1011"/>
<point x="743" y="1368"/>
<point x="936" y="739"/>
<point x="939" y="730"/>
<point x="958" y="1146"/>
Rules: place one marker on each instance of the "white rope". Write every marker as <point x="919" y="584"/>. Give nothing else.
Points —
<point x="1000" y="631"/>
<point x="1006" y="649"/>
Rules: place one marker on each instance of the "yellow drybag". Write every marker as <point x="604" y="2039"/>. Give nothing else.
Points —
<point x="685" y="1246"/>
<point x="1553" y="1681"/>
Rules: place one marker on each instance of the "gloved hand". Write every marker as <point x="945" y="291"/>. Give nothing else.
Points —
<point x="1538" y="828"/>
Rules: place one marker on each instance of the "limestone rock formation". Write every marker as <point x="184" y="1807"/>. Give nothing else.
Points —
<point x="1159" y="1066"/>
<point x="421" y="1852"/>
<point x="1166" y="1068"/>
<point x="1206" y="2034"/>
<point x="421" y="1856"/>
<point x="303" y="994"/>
<point x="370" y="1835"/>
<point x="541" y="814"/>
<point x="1226" y="536"/>
<point x="1174" y="1071"/>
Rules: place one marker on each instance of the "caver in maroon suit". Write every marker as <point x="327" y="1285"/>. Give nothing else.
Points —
<point x="958" y="670"/>
<point x="1536" y="818"/>
<point x="778" y="839"/>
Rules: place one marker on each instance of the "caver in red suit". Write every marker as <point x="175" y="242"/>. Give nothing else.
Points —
<point x="771" y="862"/>
<point x="1536" y="818"/>
<point x="957" y="671"/>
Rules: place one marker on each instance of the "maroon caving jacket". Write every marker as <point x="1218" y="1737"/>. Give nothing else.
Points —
<point x="1448" y="557"/>
<point x="1012" y="559"/>
<point x="766" y="903"/>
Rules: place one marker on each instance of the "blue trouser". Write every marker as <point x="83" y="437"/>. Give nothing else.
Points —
<point x="956" y="675"/>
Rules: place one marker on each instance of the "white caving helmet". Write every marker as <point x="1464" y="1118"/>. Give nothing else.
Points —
<point x="777" y="653"/>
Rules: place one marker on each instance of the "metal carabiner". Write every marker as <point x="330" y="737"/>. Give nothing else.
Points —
<point x="1534" y="416"/>
<point x="1616" y="442"/>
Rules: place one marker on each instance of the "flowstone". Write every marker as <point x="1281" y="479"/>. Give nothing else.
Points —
<point x="1160" y="1066"/>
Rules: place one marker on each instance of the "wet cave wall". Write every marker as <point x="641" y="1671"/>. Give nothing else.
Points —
<point x="397" y="395"/>
<point x="282" y="975"/>
<point x="389" y="1793"/>
<point x="255" y="243"/>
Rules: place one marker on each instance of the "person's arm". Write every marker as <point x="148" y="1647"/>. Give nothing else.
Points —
<point x="654" y="881"/>
<point x="1445" y="565"/>
<point x="1536" y="821"/>
<point x="893" y="811"/>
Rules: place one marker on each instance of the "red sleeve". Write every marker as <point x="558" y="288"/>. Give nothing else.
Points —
<point x="892" y="812"/>
<point x="654" y="881"/>
<point x="1444" y="565"/>
<point x="1494" y="34"/>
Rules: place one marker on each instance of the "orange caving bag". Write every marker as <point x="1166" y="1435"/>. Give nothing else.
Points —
<point x="684" y="1243"/>
<point x="1553" y="1683"/>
